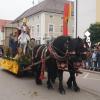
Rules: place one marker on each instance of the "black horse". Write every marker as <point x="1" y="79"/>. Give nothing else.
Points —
<point x="62" y="53"/>
<point x="78" y="49"/>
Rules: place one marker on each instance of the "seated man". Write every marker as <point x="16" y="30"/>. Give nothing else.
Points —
<point x="30" y="47"/>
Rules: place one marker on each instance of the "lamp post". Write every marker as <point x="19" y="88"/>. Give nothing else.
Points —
<point x="76" y="5"/>
<point x="75" y="18"/>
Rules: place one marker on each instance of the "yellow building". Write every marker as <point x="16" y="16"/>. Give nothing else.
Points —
<point x="97" y="10"/>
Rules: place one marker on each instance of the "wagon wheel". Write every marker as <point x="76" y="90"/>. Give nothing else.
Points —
<point x="23" y="70"/>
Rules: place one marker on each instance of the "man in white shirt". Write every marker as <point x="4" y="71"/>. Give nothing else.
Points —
<point x="22" y="40"/>
<point x="24" y="36"/>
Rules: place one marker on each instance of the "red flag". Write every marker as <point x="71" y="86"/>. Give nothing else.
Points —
<point x="67" y="14"/>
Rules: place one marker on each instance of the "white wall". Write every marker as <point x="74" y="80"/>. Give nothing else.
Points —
<point x="42" y="28"/>
<point x="37" y="1"/>
<point x="86" y="15"/>
<point x="1" y="38"/>
<point x="40" y="1"/>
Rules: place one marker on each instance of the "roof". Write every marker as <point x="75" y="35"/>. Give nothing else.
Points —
<point x="4" y="22"/>
<point x="53" y="6"/>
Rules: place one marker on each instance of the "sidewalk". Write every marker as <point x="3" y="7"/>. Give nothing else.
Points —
<point x="90" y="71"/>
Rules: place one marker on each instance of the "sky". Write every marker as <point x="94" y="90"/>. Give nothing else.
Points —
<point x="11" y="9"/>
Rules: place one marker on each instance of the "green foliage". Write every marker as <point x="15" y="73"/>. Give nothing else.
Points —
<point x="24" y="60"/>
<point x="94" y="29"/>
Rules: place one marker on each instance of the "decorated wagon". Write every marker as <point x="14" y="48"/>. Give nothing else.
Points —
<point x="16" y="57"/>
<point x="16" y="65"/>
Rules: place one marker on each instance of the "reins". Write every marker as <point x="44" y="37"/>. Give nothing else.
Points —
<point x="61" y="61"/>
<point x="54" y="54"/>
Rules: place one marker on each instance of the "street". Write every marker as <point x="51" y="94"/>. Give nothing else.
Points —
<point x="13" y="88"/>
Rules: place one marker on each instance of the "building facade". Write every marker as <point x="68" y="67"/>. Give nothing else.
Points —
<point x="2" y="33"/>
<point x="97" y="11"/>
<point x="46" y="18"/>
<point x="8" y="29"/>
<point x="84" y="15"/>
<point x="46" y="21"/>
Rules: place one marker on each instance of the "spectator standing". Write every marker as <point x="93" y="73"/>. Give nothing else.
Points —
<point x="13" y="44"/>
<point x="94" y="59"/>
<point x="98" y="57"/>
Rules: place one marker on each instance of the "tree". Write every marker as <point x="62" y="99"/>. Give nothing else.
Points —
<point x="94" y="29"/>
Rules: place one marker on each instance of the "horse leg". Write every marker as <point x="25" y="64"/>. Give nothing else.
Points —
<point x="49" y="83"/>
<point x="72" y="81"/>
<point x="61" y="88"/>
<point x="52" y="72"/>
<point x="75" y="86"/>
<point x="37" y="75"/>
<point x="69" y="82"/>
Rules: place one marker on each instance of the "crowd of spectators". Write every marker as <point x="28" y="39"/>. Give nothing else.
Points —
<point x="93" y="61"/>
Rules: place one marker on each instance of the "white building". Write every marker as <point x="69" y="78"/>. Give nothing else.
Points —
<point x="46" y="18"/>
<point x="84" y="15"/>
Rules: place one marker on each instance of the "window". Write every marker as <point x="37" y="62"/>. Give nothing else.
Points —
<point x="38" y="42"/>
<point x="38" y="17"/>
<point x="51" y="16"/>
<point x="62" y="18"/>
<point x="33" y="18"/>
<point x="61" y="29"/>
<point x="32" y="28"/>
<point x="50" y="28"/>
<point x="72" y="13"/>
<point x="38" y="29"/>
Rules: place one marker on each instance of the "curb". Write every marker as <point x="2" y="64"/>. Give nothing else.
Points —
<point x="84" y="70"/>
<point x="90" y="91"/>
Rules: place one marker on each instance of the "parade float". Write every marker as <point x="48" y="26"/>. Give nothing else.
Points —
<point x="16" y="65"/>
<point x="15" y="59"/>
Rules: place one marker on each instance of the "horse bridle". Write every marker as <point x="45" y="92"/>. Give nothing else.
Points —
<point x="52" y="51"/>
<point x="67" y="54"/>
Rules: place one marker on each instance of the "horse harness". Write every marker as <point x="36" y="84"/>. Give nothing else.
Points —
<point x="62" y="62"/>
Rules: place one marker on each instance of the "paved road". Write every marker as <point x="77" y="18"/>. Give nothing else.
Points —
<point x="90" y="81"/>
<point x="13" y="88"/>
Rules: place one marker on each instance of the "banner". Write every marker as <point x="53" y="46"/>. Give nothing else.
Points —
<point x="66" y="15"/>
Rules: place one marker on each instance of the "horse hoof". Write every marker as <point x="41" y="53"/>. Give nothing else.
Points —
<point x="62" y="91"/>
<point x="53" y="81"/>
<point x="76" y="89"/>
<point x="69" y="85"/>
<point x="49" y="86"/>
<point x="38" y="82"/>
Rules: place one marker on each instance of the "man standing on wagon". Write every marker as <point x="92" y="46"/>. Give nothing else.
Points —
<point x="24" y="37"/>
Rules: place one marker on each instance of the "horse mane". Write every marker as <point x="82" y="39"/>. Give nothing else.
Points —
<point x="59" y="44"/>
<point x="60" y="40"/>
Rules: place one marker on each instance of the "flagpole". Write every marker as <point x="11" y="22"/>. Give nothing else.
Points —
<point x="76" y="16"/>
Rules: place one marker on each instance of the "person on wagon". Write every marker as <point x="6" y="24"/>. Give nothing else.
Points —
<point x="24" y="37"/>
